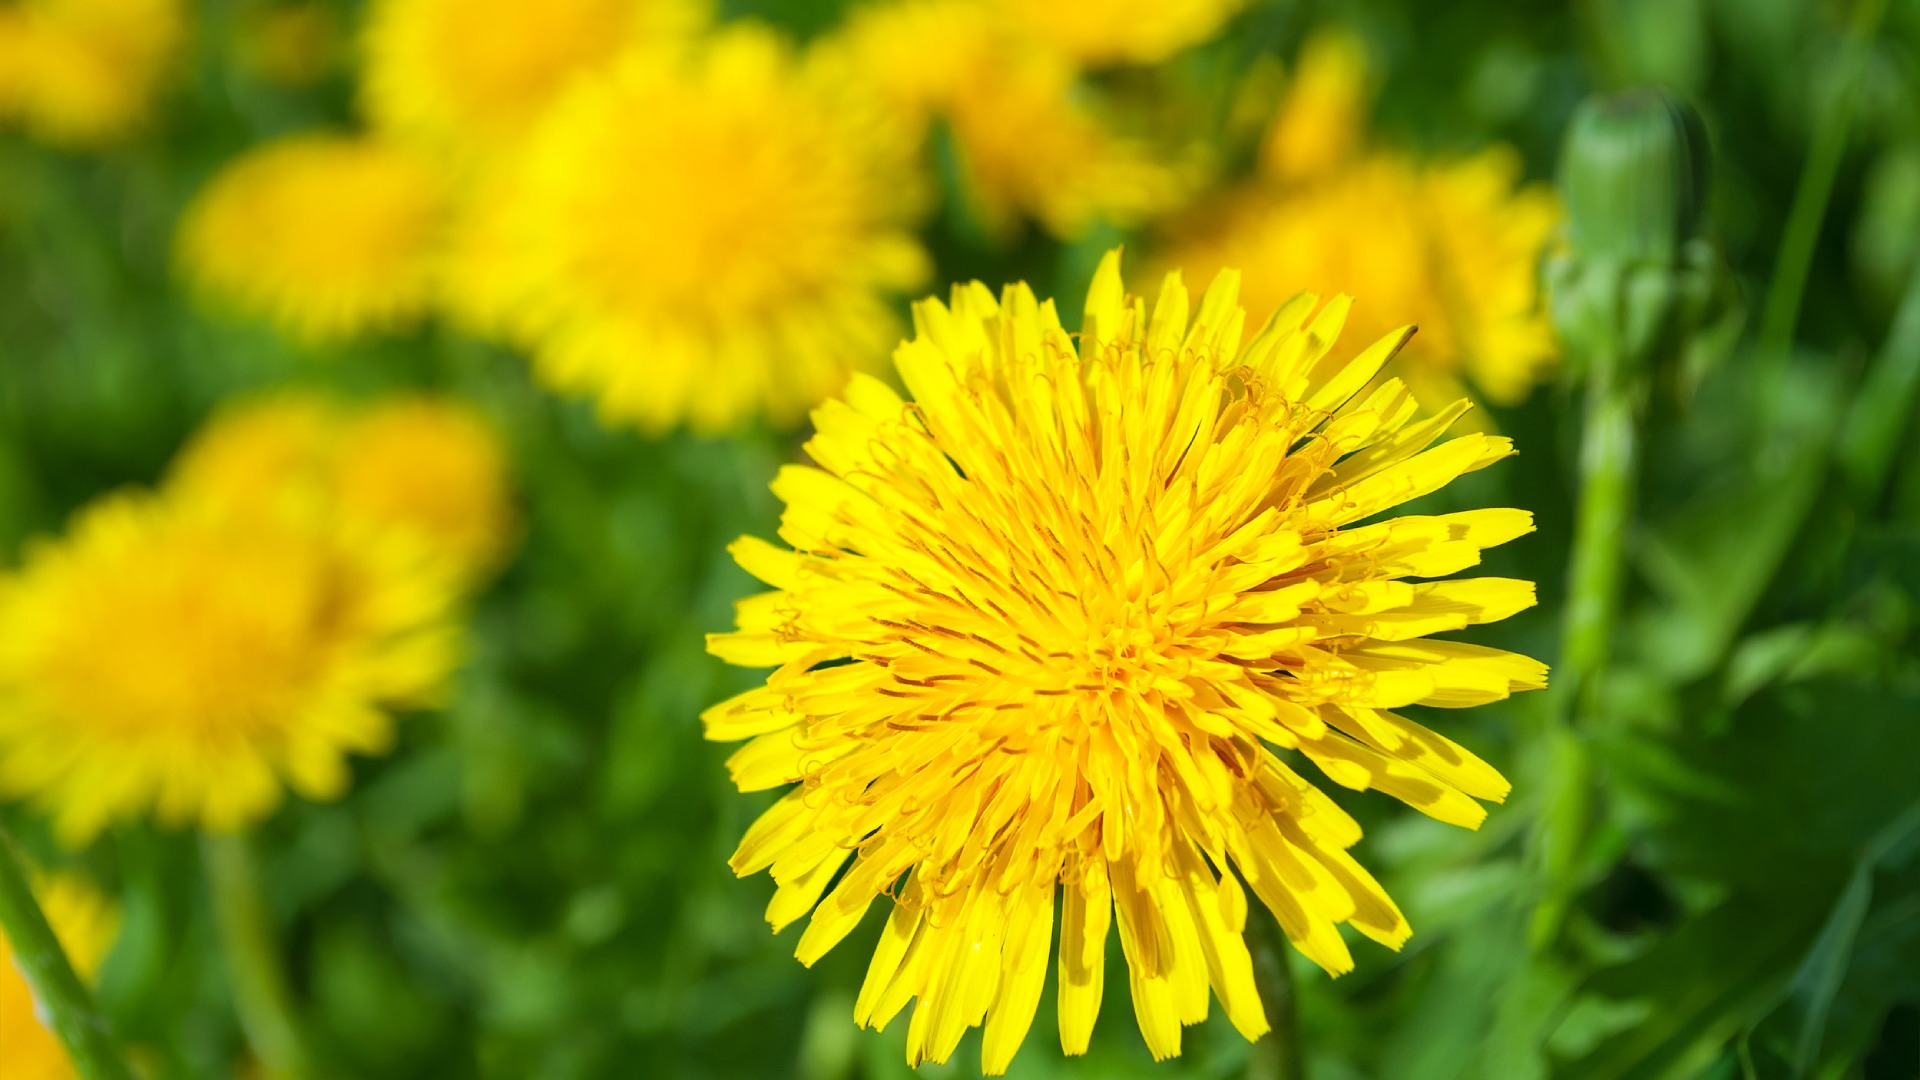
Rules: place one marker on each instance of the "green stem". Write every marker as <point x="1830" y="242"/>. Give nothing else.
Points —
<point x="1564" y="824"/>
<point x="1608" y="459"/>
<point x="64" y="1004"/>
<point x="1279" y="1054"/>
<point x="1810" y="198"/>
<point x="260" y="992"/>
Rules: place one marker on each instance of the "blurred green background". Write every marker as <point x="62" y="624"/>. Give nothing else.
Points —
<point x="534" y="883"/>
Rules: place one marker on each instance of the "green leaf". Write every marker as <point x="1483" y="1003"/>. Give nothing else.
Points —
<point x="1809" y="998"/>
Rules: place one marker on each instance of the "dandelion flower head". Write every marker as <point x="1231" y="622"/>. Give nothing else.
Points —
<point x="174" y="659"/>
<point x="1047" y="630"/>
<point x="474" y="74"/>
<point x="1452" y="246"/>
<point x="326" y="236"/>
<point x="85" y="924"/>
<point x="1321" y="124"/>
<point x="428" y="469"/>
<point x="1028" y="138"/>
<point x="705" y="239"/>
<point x="1489" y="231"/>
<point x="87" y="73"/>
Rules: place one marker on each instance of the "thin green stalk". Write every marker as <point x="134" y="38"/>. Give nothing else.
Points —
<point x="1565" y="822"/>
<point x="260" y="992"/>
<point x="1608" y="458"/>
<point x="1278" y="1055"/>
<point x="1810" y="198"/>
<point x="63" y="1001"/>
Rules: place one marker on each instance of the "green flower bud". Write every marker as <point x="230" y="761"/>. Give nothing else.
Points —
<point x="1636" y="288"/>
<point x="1634" y="176"/>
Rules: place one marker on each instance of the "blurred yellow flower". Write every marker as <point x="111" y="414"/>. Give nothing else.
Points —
<point x="1322" y="122"/>
<point x="435" y="469"/>
<point x="1027" y="145"/>
<point x="86" y="924"/>
<point x="702" y="240"/>
<point x="1451" y="247"/>
<point x="290" y="42"/>
<point x="14" y="46"/>
<point x="1027" y="140"/>
<point x="326" y="236"/>
<point x="1119" y="31"/>
<point x="431" y="470"/>
<point x="1038" y="631"/>
<point x="1489" y="232"/>
<point x="273" y="453"/>
<point x="170" y="658"/>
<point x="86" y="73"/>
<point x="474" y="74"/>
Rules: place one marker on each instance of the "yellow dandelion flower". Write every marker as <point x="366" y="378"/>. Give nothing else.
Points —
<point x="430" y="470"/>
<point x="1452" y="248"/>
<point x="1044" y="630"/>
<point x="706" y="239"/>
<point x="919" y="53"/>
<point x="481" y="283"/>
<point x="1489" y="233"/>
<point x="171" y="659"/>
<point x="1028" y="142"/>
<point x="1119" y="31"/>
<point x="470" y="74"/>
<point x="1322" y="121"/>
<point x="327" y="236"/>
<point x="1027" y="145"/>
<point x="272" y="453"/>
<point x="86" y="924"/>
<point x="436" y="469"/>
<point x="87" y="73"/>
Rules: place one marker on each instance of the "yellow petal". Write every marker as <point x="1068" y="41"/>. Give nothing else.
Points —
<point x="1023" y="976"/>
<point x="1085" y="914"/>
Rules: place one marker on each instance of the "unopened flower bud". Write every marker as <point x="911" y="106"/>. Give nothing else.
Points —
<point x="1636" y="288"/>
<point x="1634" y="176"/>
